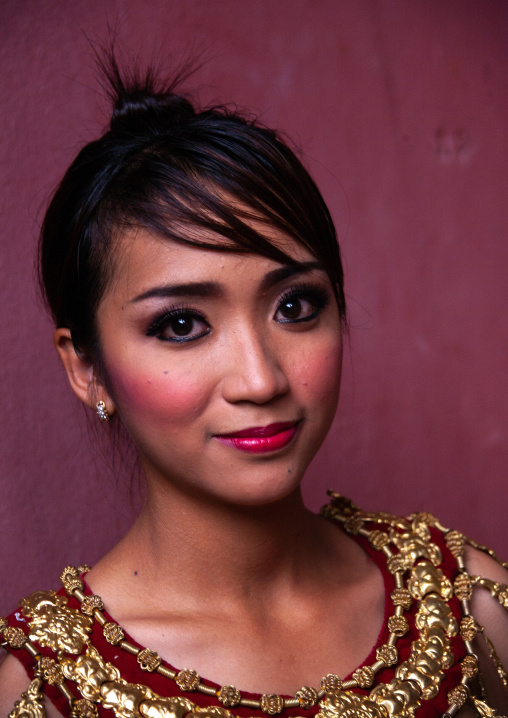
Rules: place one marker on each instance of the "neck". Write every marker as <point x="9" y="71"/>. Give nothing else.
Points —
<point x="199" y="546"/>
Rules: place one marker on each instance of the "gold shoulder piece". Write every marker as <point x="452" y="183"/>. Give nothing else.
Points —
<point x="31" y="704"/>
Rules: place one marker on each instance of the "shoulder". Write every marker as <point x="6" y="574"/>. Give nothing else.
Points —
<point x="14" y="681"/>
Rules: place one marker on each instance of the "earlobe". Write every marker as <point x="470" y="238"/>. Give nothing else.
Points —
<point x="80" y="373"/>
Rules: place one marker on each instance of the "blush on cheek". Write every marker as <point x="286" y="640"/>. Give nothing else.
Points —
<point x="166" y="397"/>
<point x="321" y="373"/>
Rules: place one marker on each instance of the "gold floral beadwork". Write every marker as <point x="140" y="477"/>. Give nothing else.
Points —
<point x="469" y="666"/>
<point x="307" y="696"/>
<point x="468" y="628"/>
<point x="402" y="597"/>
<point x="463" y="586"/>
<point x="149" y="660"/>
<point x="455" y="542"/>
<point x="388" y="654"/>
<point x="15" y="637"/>
<point x="70" y="579"/>
<point x="229" y="696"/>
<point x="331" y="683"/>
<point x="3" y="624"/>
<point x="502" y="595"/>
<point x="364" y="676"/>
<point x="113" y="633"/>
<point x="398" y="625"/>
<point x="353" y="525"/>
<point x="84" y="709"/>
<point x="187" y="680"/>
<point x="458" y="695"/>
<point x="378" y="539"/>
<point x="271" y="703"/>
<point x="90" y="604"/>
<point x="52" y="671"/>
<point x="396" y="563"/>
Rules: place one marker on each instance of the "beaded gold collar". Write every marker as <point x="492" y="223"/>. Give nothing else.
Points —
<point x="411" y="557"/>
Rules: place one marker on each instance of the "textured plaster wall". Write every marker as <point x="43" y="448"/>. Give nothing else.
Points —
<point x="401" y="108"/>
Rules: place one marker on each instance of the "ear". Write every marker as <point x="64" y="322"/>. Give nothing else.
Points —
<point x="80" y="373"/>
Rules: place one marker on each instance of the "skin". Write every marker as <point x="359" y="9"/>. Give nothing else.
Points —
<point x="219" y="522"/>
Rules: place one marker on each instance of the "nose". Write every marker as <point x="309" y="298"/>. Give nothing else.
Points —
<point x="253" y="370"/>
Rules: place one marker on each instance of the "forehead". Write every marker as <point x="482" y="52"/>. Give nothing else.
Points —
<point x="139" y="257"/>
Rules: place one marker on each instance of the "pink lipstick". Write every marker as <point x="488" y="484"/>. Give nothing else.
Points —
<point x="260" y="439"/>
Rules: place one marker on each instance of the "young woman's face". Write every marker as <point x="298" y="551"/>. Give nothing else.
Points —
<point x="224" y="367"/>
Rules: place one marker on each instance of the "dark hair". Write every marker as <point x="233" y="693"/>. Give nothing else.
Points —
<point x="169" y="167"/>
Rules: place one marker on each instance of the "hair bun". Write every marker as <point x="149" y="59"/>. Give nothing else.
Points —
<point x="140" y="105"/>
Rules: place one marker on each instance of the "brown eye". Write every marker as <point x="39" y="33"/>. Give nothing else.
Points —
<point x="177" y="325"/>
<point x="291" y="308"/>
<point x="182" y="326"/>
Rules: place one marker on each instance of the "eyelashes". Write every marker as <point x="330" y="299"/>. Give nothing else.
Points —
<point x="182" y="323"/>
<point x="179" y="324"/>
<point x="302" y="303"/>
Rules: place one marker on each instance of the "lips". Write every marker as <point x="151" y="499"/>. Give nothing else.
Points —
<point x="259" y="439"/>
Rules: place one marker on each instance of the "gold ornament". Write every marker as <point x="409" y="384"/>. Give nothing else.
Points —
<point x="15" y="637"/>
<point x="397" y="698"/>
<point x="54" y="624"/>
<point x="458" y="695"/>
<point x="349" y="705"/>
<point x="388" y="654"/>
<point x="113" y="633"/>
<point x="149" y="660"/>
<point x="229" y="696"/>
<point x="307" y="696"/>
<point x="90" y="604"/>
<point x="187" y="680"/>
<point x="31" y="704"/>
<point x="51" y="671"/>
<point x="82" y="708"/>
<point x="331" y="683"/>
<point x="396" y="563"/>
<point x="402" y="597"/>
<point x="175" y="707"/>
<point x="89" y="672"/>
<point x="70" y="579"/>
<point x="271" y="703"/>
<point x="398" y="625"/>
<point x="468" y="628"/>
<point x="364" y="677"/>
<point x="3" y="624"/>
<point x="426" y="578"/>
<point x="434" y="612"/>
<point x="463" y="586"/>
<point x="469" y="666"/>
<point x="378" y="539"/>
<point x="353" y="525"/>
<point x="455" y="542"/>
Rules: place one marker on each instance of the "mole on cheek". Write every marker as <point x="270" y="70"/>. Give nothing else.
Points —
<point x="166" y="372"/>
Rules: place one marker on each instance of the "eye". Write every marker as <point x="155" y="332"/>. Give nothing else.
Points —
<point x="301" y="304"/>
<point x="179" y="325"/>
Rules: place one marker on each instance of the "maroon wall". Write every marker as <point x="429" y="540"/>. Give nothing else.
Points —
<point x="401" y="108"/>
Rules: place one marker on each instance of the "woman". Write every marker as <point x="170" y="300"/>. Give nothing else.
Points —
<point x="192" y="270"/>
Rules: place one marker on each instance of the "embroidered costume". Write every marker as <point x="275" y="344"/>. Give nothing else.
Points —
<point x="422" y="665"/>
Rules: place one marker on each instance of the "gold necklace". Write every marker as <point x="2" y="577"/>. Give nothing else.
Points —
<point x="407" y="548"/>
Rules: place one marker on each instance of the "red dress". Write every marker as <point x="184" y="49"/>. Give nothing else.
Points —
<point x="420" y="664"/>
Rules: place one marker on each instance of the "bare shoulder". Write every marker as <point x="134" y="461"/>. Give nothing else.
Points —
<point x="13" y="682"/>
<point x="489" y="604"/>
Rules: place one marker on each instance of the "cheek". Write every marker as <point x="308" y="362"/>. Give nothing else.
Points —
<point x="319" y="374"/>
<point x="157" y="395"/>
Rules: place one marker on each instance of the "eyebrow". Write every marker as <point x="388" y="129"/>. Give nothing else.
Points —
<point x="213" y="289"/>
